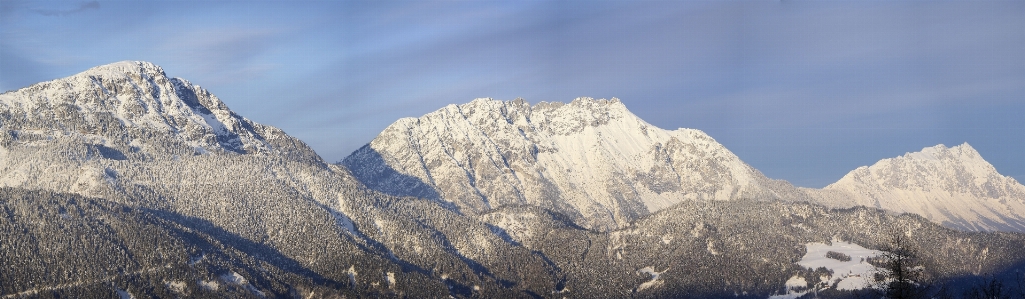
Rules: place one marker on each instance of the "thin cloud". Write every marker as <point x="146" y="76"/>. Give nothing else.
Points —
<point x="63" y="12"/>
<point x="223" y="55"/>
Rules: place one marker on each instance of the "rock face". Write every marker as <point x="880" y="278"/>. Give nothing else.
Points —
<point x="953" y="186"/>
<point x="590" y="159"/>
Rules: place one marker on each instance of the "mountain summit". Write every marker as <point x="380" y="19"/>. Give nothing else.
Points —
<point x="592" y="160"/>
<point x="124" y="105"/>
<point x="953" y="186"/>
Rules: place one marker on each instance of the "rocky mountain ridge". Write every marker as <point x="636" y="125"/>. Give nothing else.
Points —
<point x="952" y="186"/>
<point x="604" y="167"/>
<point x="125" y="104"/>
<point x="127" y="134"/>
<point x="590" y="159"/>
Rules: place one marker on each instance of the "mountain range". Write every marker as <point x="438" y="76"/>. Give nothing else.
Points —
<point x="123" y="182"/>
<point x="604" y="167"/>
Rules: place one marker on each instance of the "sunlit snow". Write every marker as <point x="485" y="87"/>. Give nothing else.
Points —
<point x="854" y="274"/>
<point x="654" y="282"/>
<point x="851" y="275"/>
<point x="796" y="287"/>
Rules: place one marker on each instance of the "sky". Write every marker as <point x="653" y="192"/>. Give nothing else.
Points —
<point x="803" y="91"/>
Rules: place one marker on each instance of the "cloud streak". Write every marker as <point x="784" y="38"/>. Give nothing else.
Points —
<point x="51" y="12"/>
<point x="221" y="55"/>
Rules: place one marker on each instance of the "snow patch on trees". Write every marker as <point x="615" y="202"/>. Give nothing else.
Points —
<point x="654" y="282"/>
<point x="123" y="294"/>
<point x="389" y="277"/>
<point x="210" y="285"/>
<point x="237" y="279"/>
<point x="797" y="286"/>
<point x="352" y="274"/>
<point x="176" y="286"/>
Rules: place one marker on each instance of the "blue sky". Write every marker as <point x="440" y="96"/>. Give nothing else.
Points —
<point x="803" y="91"/>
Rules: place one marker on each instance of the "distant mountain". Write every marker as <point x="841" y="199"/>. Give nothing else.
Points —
<point x="592" y="160"/>
<point x="953" y="186"/>
<point x="603" y="167"/>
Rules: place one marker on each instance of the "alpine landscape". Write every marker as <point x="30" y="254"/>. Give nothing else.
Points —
<point x="121" y="180"/>
<point x="450" y="149"/>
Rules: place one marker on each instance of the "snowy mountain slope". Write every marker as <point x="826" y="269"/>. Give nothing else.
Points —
<point x="247" y="185"/>
<point x="590" y="159"/>
<point x="953" y="186"/>
<point x="121" y="107"/>
<point x="311" y="228"/>
<point x="127" y="133"/>
<point x="123" y="126"/>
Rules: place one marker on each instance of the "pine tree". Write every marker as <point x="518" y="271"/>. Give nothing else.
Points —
<point x="899" y="270"/>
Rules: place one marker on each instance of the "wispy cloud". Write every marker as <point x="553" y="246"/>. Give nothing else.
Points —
<point x="57" y="12"/>
<point x="221" y="55"/>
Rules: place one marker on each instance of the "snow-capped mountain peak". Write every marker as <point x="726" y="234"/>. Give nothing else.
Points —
<point x="130" y="100"/>
<point x="963" y="152"/>
<point x="958" y="169"/>
<point x="954" y="186"/>
<point x="129" y="110"/>
<point x="591" y="159"/>
<point x="126" y="67"/>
